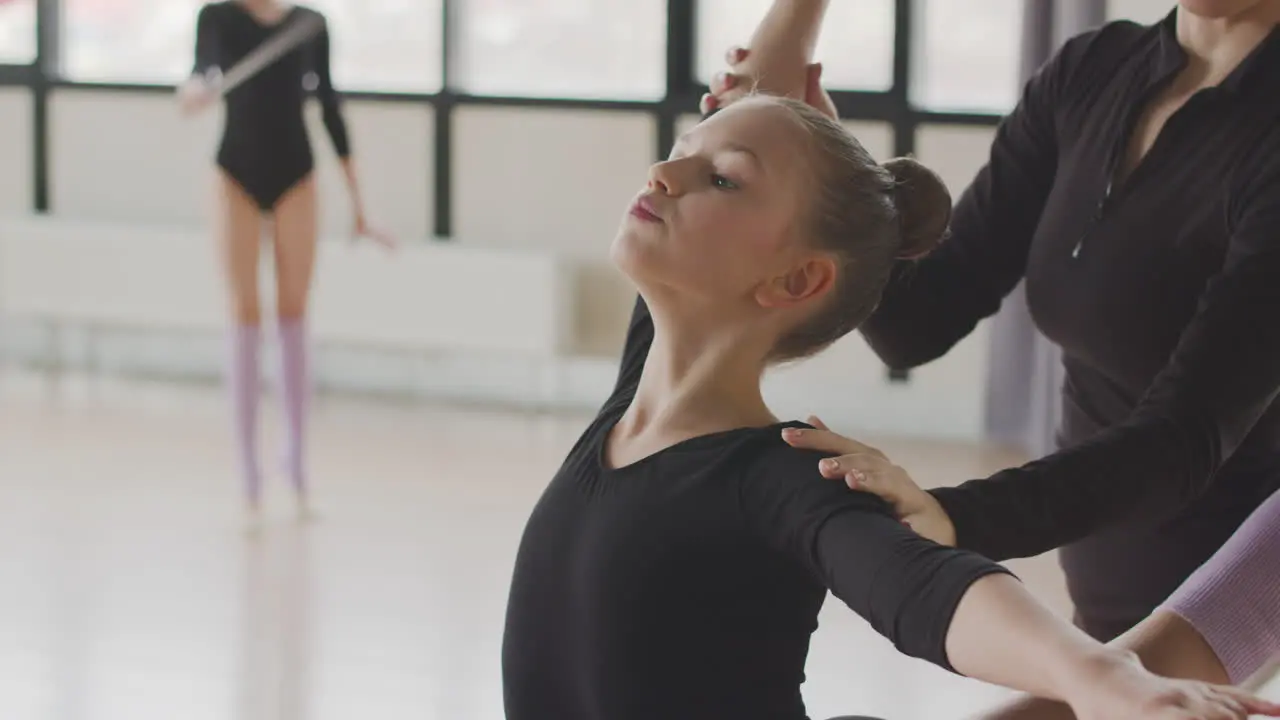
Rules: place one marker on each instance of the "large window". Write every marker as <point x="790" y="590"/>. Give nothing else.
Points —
<point x="965" y="55"/>
<point x="381" y="45"/>
<point x="963" y="60"/>
<point x="964" y="52"/>
<point x="144" y="41"/>
<point x="562" y="48"/>
<point x="17" y="31"/>
<point x="855" y="47"/>
<point x="384" y="45"/>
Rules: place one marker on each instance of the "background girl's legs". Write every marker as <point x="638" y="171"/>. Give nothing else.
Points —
<point x="239" y="245"/>
<point x="295" y="249"/>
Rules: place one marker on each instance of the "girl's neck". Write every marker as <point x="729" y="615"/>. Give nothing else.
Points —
<point x="266" y="10"/>
<point x="698" y="380"/>
<point x="1217" y="45"/>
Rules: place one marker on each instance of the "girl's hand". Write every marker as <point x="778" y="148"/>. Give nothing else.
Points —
<point x="197" y="94"/>
<point x="1119" y="688"/>
<point x="364" y="230"/>
<point x="865" y="468"/>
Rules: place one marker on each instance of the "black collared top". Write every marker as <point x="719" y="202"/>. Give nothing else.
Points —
<point x="1162" y="290"/>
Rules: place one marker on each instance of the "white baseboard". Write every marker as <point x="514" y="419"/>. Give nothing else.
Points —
<point x="836" y="387"/>
<point x="567" y="384"/>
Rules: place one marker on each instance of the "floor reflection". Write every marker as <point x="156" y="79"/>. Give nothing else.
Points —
<point x="129" y="589"/>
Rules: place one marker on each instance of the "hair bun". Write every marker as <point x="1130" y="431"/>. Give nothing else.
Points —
<point x="924" y="207"/>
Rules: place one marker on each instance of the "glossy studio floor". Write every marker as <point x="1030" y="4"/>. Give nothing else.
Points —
<point x="131" y="590"/>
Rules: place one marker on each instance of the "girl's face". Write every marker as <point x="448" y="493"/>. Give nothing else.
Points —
<point x="722" y="221"/>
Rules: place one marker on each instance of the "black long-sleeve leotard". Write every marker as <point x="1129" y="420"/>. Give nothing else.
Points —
<point x="686" y="585"/>
<point x="265" y="147"/>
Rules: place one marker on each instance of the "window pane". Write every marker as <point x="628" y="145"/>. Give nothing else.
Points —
<point x="855" y="47"/>
<point x="563" y="48"/>
<point x="384" y="45"/>
<point x="391" y="45"/>
<point x="144" y="41"/>
<point x="966" y="55"/>
<point x="18" y="31"/>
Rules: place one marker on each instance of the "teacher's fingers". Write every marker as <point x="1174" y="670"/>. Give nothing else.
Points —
<point x="825" y="441"/>
<point x="882" y="486"/>
<point x="723" y="82"/>
<point x="837" y="467"/>
<point x="822" y="440"/>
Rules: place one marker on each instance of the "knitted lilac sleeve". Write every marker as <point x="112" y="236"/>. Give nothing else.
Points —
<point x="1233" y="600"/>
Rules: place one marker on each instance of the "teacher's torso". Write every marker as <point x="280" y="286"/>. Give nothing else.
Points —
<point x="1115" y="273"/>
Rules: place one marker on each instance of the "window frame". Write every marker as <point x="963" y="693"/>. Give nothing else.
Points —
<point x="683" y="91"/>
<point x="682" y="95"/>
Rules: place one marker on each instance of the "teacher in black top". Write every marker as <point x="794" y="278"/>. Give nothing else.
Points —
<point x="1136" y="189"/>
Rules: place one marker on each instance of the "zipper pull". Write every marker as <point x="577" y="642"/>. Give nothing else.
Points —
<point x="1097" y="217"/>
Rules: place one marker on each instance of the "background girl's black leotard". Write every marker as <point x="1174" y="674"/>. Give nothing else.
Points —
<point x="264" y="146"/>
<point x="686" y="585"/>
<point x="1162" y="290"/>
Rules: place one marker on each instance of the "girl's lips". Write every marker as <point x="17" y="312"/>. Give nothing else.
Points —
<point x="644" y="210"/>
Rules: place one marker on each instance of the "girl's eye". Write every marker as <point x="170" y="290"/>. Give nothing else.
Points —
<point x="723" y="182"/>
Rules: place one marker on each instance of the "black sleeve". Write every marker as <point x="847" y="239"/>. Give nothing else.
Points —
<point x="1222" y="376"/>
<point x="330" y="103"/>
<point x="207" y="56"/>
<point x="905" y="586"/>
<point x="933" y="303"/>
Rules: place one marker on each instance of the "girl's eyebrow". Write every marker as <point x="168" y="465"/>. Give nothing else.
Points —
<point x="730" y="146"/>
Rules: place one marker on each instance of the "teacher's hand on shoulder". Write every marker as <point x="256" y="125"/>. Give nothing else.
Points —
<point x="865" y="468"/>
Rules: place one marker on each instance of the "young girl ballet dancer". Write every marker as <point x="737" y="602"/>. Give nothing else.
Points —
<point x="265" y="166"/>
<point x="675" y="565"/>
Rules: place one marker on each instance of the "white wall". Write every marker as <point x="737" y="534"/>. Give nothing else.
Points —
<point x="552" y="180"/>
<point x="1143" y="11"/>
<point x="133" y="158"/>
<point x="954" y="151"/>
<point x="15" y="150"/>
<point x="559" y="180"/>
